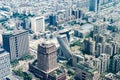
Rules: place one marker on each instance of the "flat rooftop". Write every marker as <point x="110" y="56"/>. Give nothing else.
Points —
<point x="85" y="68"/>
<point x="14" y="32"/>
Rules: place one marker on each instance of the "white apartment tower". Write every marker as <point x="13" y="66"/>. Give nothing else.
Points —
<point x="38" y="24"/>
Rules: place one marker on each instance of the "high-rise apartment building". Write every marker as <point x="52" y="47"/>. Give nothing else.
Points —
<point x="38" y="24"/>
<point x="16" y="43"/>
<point x="99" y="38"/>
<point x="89" y="46"/>
<point x="116" y="63"/>
<point x="115" y="46"/>
<point x="99" y="49"/>
<point x="104" y="62"/>
<point x="108" y="49"/>
<point x="99" y="27"/>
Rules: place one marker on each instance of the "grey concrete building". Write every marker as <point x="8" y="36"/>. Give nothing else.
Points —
<point x="86" y="73"/>
<point x="104" y="62"/>
<point x="116" y="63"/>
<point x="99" y="49"/>
<point x="16" y="43"/>
<point x="89" y="46"/>
<point x="64" y="46"/>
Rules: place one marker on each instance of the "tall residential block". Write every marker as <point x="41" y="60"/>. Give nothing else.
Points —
<point x="16" y="43"/>
<point x="38" y="24"/>
<point x="89" y="46"/>
<point x="116" y="63"/>
<point x="104" y="62"/>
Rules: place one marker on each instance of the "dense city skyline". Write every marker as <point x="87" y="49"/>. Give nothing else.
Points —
<point x="59" y="39"/>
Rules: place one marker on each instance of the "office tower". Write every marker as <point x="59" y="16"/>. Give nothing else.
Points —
<point x="94" y="5"/>
<point x="53" y="20"/>
<point x="4" y="64"/>
<point x="16" y="43"/>
<point x="64" y="46"/>
<point x="77" y="13"/>
<point x="104" y="62"/>
<point x="89" y="46"/>
<point x="116" y="63"/>
<point x="46" y="66"/>
<point x="47" y="57"/>
<point x="38" y="24"/>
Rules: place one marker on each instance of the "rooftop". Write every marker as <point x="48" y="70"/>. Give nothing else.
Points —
<point x="15" y="32"/>
<point x="47" y="44"/>
<point x="57" y="72"/>
<point x="86" y="68"/>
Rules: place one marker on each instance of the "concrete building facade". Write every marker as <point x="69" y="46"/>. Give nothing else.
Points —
<point x="16" y="43"/>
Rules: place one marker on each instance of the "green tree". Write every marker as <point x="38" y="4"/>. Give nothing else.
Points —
<point x="27" y="76"/>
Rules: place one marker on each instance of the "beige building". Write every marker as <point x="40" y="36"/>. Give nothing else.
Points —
<point x="86" y="73"/>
